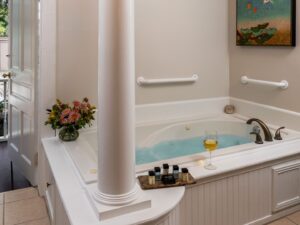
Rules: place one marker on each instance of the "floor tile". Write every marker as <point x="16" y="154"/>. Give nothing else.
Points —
<point x="295" y="217"/>
<point x="44" y="221"/>
<point x="283" y="221"/>
<point x="20" y="194"/>
<point x="1" y="214"/>
<point x="24" y="211"/>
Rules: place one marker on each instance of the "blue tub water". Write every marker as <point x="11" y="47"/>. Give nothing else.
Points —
<point x="177" y="148"/>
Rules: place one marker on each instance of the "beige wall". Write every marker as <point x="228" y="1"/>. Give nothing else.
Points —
<point x="173" y="39"/>
<point x="176" y="38"/>
<point x="266" y="63"/>
<point x="77" y="41"/>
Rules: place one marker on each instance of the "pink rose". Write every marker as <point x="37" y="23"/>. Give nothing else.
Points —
<point x="76" y="104"/>
<point x="65" y="112"/>
<point x="64" y="116"/>
<point x="74" y="116"/>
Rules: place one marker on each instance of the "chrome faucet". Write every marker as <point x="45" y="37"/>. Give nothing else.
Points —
<point x="266" y="130"/>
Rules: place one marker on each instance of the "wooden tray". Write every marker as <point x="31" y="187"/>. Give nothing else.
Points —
<point x="158" y="184"/>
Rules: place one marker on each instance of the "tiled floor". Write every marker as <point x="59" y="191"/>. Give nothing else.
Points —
<point x="23" y="207"/>
<point x="288" y="220"/>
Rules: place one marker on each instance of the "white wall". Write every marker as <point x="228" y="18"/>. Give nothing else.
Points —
<point x="177" y="38"/>
<point x="77" y="49"/>
<point x="174" y="38"/>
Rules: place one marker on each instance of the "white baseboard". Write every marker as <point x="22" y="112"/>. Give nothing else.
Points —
<point x="273" y="217"/>
<point x="49" y="206"/>
<point x="270" y="114"/>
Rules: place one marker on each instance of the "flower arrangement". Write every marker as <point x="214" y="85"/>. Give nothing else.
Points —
<point x="70" y="118"/>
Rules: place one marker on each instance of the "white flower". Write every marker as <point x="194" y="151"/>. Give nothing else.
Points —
<point x="268" y="1"/>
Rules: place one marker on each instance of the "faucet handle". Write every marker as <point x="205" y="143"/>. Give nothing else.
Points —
<point x="258" y="138"/>
<point x="278" y="134"/>
<point x="256" y="129"/>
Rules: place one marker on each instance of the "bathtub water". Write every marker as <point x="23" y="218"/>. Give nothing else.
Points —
<point x="157" y="143"/>
<point x="177" y="148"/>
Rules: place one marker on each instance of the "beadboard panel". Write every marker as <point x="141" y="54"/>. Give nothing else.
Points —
<point x="235" y="200"/>
<point x="173" y="218"/>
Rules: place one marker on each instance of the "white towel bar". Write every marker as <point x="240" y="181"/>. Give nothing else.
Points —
<point x="283" y="84"/>
<point x="144" y="81"/>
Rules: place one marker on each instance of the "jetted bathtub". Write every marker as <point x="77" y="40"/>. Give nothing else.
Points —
<point x="174" y="143"/>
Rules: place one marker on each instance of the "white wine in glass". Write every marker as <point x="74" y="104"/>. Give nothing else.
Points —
<point x="210" y="143"/>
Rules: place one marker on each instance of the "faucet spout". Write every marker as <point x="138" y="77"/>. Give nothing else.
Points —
<point x="264" y="127"/>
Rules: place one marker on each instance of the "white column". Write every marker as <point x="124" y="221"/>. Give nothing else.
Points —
<point x="116" y="98"/>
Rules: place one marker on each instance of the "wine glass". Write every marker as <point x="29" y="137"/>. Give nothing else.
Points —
<point x="210" y="143"/>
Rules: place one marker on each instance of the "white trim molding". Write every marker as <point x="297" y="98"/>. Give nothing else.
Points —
<point x="46" y="90"/>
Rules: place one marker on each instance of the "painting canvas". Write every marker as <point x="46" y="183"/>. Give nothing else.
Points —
<point x="266" y="22"/>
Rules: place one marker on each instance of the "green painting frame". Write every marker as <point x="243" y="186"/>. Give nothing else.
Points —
<point x="252" y="30"/>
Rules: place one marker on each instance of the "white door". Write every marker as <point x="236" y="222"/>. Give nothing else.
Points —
<point x="21" y="115"/>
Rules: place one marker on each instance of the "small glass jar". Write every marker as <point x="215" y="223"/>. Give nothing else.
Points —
<point x="157" y="172"/>
<point x="185" y="174"/>
<point x="165" y="169"/>
<point x="151" y="178"/>
<point x="176" y="171"/>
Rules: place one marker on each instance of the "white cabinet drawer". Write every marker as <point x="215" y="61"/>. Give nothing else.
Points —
<point x="286" y="185"/>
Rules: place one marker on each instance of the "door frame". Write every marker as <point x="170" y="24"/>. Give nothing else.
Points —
<point x="46" y="84"/>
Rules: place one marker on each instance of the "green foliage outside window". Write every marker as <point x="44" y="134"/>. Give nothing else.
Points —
<point x="3" y="18"/>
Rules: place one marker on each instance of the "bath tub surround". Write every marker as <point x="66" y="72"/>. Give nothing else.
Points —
<point x="175" y="143"/>
<point x="163" y="202"/>
<point x="268" y="113"/>
<point x="243" y="169"/>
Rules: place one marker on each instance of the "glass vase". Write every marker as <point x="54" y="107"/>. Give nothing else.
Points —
<point x="68" y="134"/>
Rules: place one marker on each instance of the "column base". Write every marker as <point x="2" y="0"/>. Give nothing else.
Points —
<point x="117" y="200"/>
<point x="109" y="206"/>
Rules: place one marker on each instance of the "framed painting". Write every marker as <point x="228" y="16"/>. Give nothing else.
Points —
<point x="266" y="23"/>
